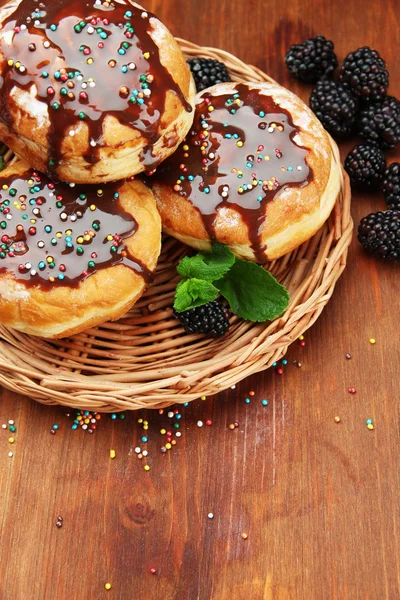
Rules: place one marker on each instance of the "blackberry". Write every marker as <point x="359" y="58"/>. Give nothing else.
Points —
<point x="335" y="107"/>
<point x="207" y="72"/>
<point x="379" y="233"/>
<point x="391" y="186"/>
<point x="312" y="59"/>
<point x="364" y="71"/>
<point x="365" y="165"/>
<point x="210" y="319"/>
<point x="379" y="123"/>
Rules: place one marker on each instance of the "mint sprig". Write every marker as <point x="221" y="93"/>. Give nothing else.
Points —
<point x="194" y="292"/>
<point x="210" y="267"/>
<point x="252" y="292"/>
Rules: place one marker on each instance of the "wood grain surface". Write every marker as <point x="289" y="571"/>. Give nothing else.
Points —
<point x="319" y="500"/>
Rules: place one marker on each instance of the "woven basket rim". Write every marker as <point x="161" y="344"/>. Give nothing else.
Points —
<point x="111" y="368"/>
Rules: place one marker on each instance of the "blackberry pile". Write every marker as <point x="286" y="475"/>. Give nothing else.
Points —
<point x="358" y="104"/>
<point x="391" y="186"/>
<point x="364" y="71"/>
<point x="311" y="60"/>
<point x="379" y="233"/>
<point x="379" y="123"/>
<point x="366" y="166"/>
<point x="335" y="106"/>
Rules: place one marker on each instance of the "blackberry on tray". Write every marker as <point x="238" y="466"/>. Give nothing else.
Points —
<point x="210" y="319"/>
<point x="207" y="72"/>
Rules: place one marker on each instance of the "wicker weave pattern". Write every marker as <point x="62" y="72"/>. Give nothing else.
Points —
<point x="145" y="360"/>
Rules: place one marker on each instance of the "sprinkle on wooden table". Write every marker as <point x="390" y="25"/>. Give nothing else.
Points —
<point x="245" y="535"/>
<point x="112" y="453"/>
<point x="199" y="423"/>
<point x="348" y="356"/>
<point x="153" y="571"/>
<point x="352" y="390"/>
<point x="10" y="454"/>
<point x="372" y="341"/>
<point x="264" y="402"/>
<point x="337" y="419"/>
<point x="11" y="440"/>
<point x="147" y="467"/>
<point x="108" y="586"/>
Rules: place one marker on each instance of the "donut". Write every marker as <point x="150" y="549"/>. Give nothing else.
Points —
<point x="72" y="257"/>
<point x="257" y="172"/>
<point x="91" y="90"/>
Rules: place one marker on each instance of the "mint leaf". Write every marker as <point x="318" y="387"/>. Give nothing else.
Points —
<point x="192" y="293"/>
<point x="253" y="293"/>
<point x="208" y="266"/>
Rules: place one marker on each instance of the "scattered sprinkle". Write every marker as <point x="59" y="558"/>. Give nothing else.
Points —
<point x="210" y="515"/>
<point x="112" y="454"/>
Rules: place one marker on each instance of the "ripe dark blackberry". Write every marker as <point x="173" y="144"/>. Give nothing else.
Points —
<point x="207" y="72"/>
<point x="379" y="233"/>
<point x="379" y="123"/>
<point x="365" y="165"/>
<point x="312" y="59"/>
<point x="335" y="106"/>
<point x="364" y="71"/>
<point x="210" y="319"/>
<point x="391" y="186"/>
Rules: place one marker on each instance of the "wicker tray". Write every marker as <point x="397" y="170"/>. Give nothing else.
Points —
<point x="146" y="360"/>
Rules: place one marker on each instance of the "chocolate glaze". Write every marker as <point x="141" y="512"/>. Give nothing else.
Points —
<point x="227" y="150"/>
<point x="40" y="220"/>
<point x="130" y="83"/>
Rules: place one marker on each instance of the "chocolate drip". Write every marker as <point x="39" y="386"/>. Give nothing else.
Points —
<point x="55" y="234"/>
<point x="239" y="154"/>
<point x="88" y="60"/>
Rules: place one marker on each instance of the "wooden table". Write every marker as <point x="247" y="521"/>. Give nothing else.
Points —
<point x="319" y="500"/>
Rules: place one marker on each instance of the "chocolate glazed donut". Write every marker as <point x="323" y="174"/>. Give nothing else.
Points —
<point x="90" y="60"/>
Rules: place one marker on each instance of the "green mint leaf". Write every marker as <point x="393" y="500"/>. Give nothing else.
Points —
<point x="207" y="266"/>
<point x="192" y="293"/>
<point x="253" y="293"/>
